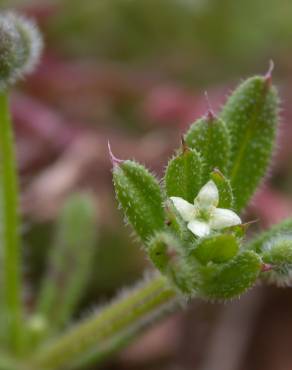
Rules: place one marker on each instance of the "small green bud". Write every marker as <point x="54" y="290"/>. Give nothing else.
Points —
<point x="282" y="229"/>
<point x="275" y="247"/>
<point x="251" y="115"/>
<point x="278" y="251"/>
<point x="217" y="248"/>
<point x="183" y="177"/>
<point x="229" y="280"/>
<point x="210" y="137"/>
<point x="20" y="48"/>
<point x="278" y="254"/>
<point x="139" y="194"/>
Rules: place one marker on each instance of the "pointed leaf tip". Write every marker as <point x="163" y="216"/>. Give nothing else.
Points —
<point x="247" y="224"/>
<point x="218" y="172"/>
<point x="268" y="75"/>
<point x="212" y="140"/>
<point x="115" y="161"/>
<point x="210" y="115"/>
<point x="184" y="145"/>
<point x="266" y="267"/>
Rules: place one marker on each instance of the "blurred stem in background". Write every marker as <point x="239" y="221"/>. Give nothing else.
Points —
<point x="10" y="238"/>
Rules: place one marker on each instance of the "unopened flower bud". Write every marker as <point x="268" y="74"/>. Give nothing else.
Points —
<point x="20" y="48"/>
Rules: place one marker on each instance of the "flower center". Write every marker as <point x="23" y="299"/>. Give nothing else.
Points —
<point x="204" y="214"/>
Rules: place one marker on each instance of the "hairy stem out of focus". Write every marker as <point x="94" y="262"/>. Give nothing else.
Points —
<point x="10" y="229"/>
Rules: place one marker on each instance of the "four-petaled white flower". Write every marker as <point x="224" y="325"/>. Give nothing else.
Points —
<point x="203" y="216"/>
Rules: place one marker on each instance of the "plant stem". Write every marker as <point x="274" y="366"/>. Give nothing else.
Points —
<point x="10" y="228"/>
<point x="101" y="330"/>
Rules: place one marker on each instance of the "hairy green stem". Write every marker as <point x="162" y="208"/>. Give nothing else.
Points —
<point x="99" y="332"/>
<point x="10" y="228"/>
<point x="108" y="350"/>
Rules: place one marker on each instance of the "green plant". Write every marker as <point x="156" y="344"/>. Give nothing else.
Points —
<point x="189" y="227"/>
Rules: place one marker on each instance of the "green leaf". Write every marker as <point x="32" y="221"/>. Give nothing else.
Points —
<point x="226" y="199"/>
<point x="210" y="137"/>
<point x="283" y="229"/>
<point x="229" y="280"/>
<point x="139" y="194"/>
<point x="183" y="175"/>
<point x="218" y="248"/>
<point x="251" y="115"/>
<point x="70" y="261"/>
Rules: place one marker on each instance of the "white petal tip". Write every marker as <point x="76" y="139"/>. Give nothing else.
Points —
<point x="222" y="218"/>
<point x="208" y="196"/>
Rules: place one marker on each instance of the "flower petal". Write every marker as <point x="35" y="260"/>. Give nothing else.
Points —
<point x="222" y="218"/>
<point x="208" y="196"/>
<point x="184" y="208"/>
<point x="199" y="228"/>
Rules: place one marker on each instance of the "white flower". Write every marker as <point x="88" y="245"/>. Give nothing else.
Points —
<point x="203" y="216"/>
